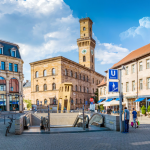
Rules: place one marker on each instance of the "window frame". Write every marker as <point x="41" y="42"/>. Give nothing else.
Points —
<point x="140" y="66"/>
<point x="140" y="84"/>
<point x="147" y="63"/>
<point x="54" y="87"/>
<point x="127" y="87"/>
<point x="13" y="51"/>
<point x="84" y="28"/>
<point x="133" y="85"/>
<point x="132" y="68"/>
<point x="2" y="50"/>
<point x="11" y="66"/>
<point x="148" y="87"/>
<point x="44" y="73"/>
<point x="36" y="74"/>
<point x="37" y="88"/>
<point x="15" y="67"/>
<point x="2" y="64"/>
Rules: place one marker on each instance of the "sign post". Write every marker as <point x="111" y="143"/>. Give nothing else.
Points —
<point x="83" y="118"/>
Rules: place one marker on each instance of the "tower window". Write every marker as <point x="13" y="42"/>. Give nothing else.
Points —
<point x="90" y="29"/>
<point x="84" y="28"/>
<point x="84" y="34"/>
<point x="84" y="59"/>
<point x="92" y="59"/>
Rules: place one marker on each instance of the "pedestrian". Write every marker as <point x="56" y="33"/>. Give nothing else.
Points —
<point x="134" y="116"/>
<point x="126" y="119"/>
<point x="109" y="110"/>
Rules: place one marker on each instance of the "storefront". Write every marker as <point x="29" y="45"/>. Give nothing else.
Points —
<point x="2" y="102"/>
<point x="14" y="102"/>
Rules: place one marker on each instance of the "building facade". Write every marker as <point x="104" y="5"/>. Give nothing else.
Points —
<point x="135" y="79"/>
<point x="11" y="77"/>
<point x="59" y="79"/>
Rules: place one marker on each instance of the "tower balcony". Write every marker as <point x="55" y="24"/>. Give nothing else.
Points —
<point x="86" y="38"/>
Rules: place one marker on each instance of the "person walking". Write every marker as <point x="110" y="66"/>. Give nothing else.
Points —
<point x="134" y="116"/>
<point x="109" y="110"/>
<point x="126" y="119"/>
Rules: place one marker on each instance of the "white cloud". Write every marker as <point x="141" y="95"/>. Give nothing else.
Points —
<point x="143" y="30"/>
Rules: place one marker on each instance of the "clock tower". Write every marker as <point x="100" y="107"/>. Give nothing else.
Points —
<point x="86" y="44"/>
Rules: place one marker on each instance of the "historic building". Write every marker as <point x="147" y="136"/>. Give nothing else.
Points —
<point x="62" y="81"/>
<point x="135" y="80"/>
<point x="11" y="77"/>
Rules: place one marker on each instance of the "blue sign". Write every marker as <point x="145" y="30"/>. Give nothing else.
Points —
<point x="113" y="87"/>
<point x="37" y="102"/>
<point x="86" y="102"/>
<point x="113" y="74"/>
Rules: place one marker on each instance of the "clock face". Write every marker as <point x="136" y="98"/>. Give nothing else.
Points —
<point x="84" y="51"/>
<point x="92" y="52"/>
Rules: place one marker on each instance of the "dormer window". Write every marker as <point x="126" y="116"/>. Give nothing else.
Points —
<point x="13" y="52"/>
<point x="1" y="50"/>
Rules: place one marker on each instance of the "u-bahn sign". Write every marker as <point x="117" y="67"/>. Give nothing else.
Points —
<point x="113" y="87"/>
<point x="113" y="74"/>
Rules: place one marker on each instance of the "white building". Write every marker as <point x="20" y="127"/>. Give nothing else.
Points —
<point x="135" y="79"/>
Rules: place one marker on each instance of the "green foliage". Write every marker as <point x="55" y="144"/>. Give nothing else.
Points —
<point x="95" y="97"/>
<point x="148" y="109"/>
<point x="143" y="109"/>
<point x="29" y="105"/>
<point x="101" y="107"/>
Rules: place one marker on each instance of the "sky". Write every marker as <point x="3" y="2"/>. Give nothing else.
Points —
<point x="50" y="28"/>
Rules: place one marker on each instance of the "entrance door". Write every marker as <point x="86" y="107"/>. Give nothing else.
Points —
<point x="131" y="104"/>
<point x="65" y="104"/>
<point x="14" y="102"/>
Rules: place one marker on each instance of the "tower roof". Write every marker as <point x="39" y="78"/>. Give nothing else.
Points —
<point x="87" y="18"/>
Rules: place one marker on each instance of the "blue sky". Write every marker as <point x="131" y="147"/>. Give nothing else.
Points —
<point x="49" y="28"/>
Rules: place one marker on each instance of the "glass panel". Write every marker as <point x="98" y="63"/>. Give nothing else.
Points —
<point x="10" y="67"/>
<point x="13" y="53"/>
<point x="14" y="102"/>
<point x="0" y="50"/>
<point x="16" y="67"/>
<point x="2" y="65"/>
<point x="2" y="102"/>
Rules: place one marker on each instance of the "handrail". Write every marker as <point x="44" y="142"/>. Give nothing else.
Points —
<point x="9" y="126"/>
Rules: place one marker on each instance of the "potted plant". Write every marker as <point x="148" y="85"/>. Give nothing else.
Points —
<point x="143" y="109"/>
<point x="148" y="109"/>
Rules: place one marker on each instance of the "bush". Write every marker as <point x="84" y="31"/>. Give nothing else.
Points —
<point x="143" y="109"/>
<point x="148" y="109"/>
<point x="101" y="107"/>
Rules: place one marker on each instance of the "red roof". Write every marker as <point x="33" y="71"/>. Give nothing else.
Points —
<point x="104" y="82"/>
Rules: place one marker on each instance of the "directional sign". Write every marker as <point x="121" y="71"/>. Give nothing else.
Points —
<point x="113" y="74"/>
<point x="113" y="87"/>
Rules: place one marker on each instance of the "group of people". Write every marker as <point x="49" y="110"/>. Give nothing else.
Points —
<point x="126" y="117"/>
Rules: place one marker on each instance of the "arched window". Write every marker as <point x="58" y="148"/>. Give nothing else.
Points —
<point x="71" y="73"/>
<point x="2" y="84"/>
<point x="45" y="87"/>
<point x="76" y="88"/>
<point x="36" y="74"/>
<point x="87" y="79"/>
<point x="83" y="78"/>
<point x="37" y="88"/>
<point x="45" y="102"/>
<point x="87" y="90"/>
<point x="66" y="72"/>
<point x="76" y="75"/>
<point x="53" y="86"/>
<point x="44" y="73"/>
<point x="13" y="85"/>
<point x="84" y="28"/>
<point x="37" y="102"/>
<point x="84" y="59"/>
<point x="53" y="71"/>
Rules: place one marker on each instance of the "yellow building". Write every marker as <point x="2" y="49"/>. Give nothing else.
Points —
<point x="62" y="81"/>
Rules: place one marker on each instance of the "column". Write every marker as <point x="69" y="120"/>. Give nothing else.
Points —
<point x="7" y="97"/>
<point x="20" y="97"/>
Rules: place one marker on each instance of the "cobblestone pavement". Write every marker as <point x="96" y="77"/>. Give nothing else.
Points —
<point x="138" y="139"/>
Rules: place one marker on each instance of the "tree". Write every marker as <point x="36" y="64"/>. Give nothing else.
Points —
<point x="95" y="97"/>
<point x="148" y="109"/>
<point x="101" y="107"/>
<point x="29" y="105"/>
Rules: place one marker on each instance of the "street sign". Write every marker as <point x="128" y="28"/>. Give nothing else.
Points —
<point x="113" y="87"/>
<point x="113" y="74"/>
<point x="91" y="99"/>
<point x="86" y="102"/>
<point x="37" y="102"/>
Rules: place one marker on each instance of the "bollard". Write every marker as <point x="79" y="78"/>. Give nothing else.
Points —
<point x="4" y="119"/>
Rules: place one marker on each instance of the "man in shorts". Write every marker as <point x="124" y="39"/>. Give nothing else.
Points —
<point x="126" y="119"/>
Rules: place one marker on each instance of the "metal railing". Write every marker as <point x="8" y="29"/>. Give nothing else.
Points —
<point x="9" y="126"/>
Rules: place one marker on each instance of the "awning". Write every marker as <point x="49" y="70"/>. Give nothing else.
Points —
<point x="107" y="104"/>
<point x="101" y="103"/>
<point x="148" y="100"/>
<point x="114" y="103"/>
<point x="108" y="100"/>
<point x="139" y="100"/>
<point x="100" y="100"/>
<point x="117" y="99"/>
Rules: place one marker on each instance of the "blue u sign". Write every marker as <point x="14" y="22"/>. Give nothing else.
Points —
<point x="113" y="74"/>
<point x="113" y="87"/>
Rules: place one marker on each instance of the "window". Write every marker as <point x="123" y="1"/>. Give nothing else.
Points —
<point x="76" y="75"/>
<point x="104" y="90"/>
<point x="87" y="90"/>
<point x="10" y="67"/>
<point x="45" y="87"/>
<point x="36" y="74"/>
<point x="84" y="59"/>
<point x="37" y="102"/>
<point x="37" y="88"/>
<point x="16" y="67"/>
<point x="80" y="101"/>
<point x="80" y="89"/>
<point x="133" y="85"/>
<point x="54" y="101"/>
<point x="2" y="65"/>
<point x="84" y="89"/>
<point x="80" y="77"/>
<point x="87" y="79"/>
<point x="76" y="88"/>
<point x="148" y="63"/>
<point x="127" y="86"/>
<point x="71" y="74"/>
<point x="141" y="66"/>
<point x="84" y="101"/>
<point x="83" y="78"/>
<point x="133" y="68"/>
<point x="1" y="50"/>
<point x="76" y="101"/>
<point x="72" y="101"/>
<point x="148" y="83"/>
<point x="93" y="80"/>
<point x="100" y="91"/>
<point x="127" y="71"/>
<point x="141" y="84"/>
<point x="44" y="73"/>
<point x="84" y="34"/>
<point x="84" y="28"/>
<point x="66" y="72"/>
<point x="93" y="90"/>
<point x="53" y="86"/>
<point x="13" y="53"/>
<point x="45" y="102"/>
